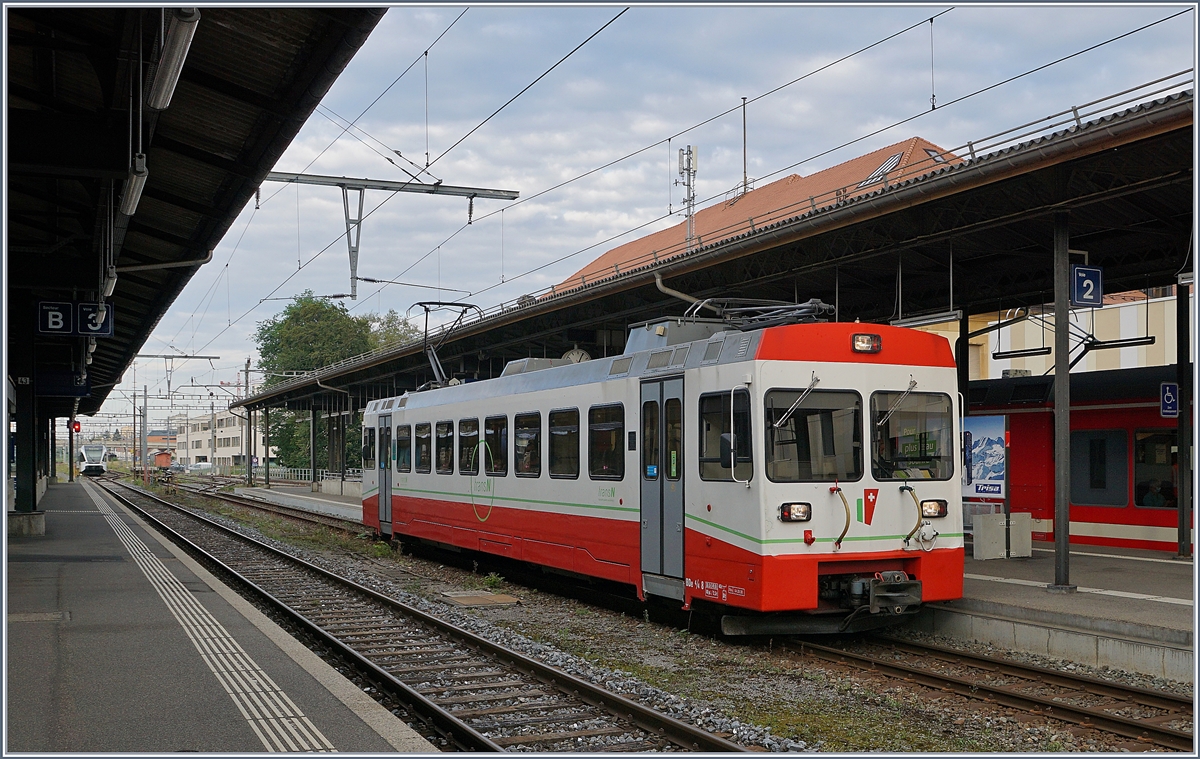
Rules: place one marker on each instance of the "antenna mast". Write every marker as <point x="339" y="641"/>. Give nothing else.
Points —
<point x="687" y="170"/>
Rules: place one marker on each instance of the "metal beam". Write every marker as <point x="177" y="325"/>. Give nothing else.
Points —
<point x="381" y="184"/>
<point x="1062" y="407"/>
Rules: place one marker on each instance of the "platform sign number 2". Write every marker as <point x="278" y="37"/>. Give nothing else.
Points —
<point x="1087" y="286"/>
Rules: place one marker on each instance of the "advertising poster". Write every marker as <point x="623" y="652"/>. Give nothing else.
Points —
<point x="983" y="449"/>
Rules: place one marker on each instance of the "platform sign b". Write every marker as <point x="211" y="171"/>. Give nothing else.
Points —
<point x="56" y="318"/>
<point x="1168" y="400"/>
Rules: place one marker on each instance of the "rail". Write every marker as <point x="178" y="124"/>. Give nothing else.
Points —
<point x="1175" y="85"/>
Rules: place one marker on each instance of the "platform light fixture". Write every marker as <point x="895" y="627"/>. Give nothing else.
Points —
<point x="134" y="184"/>
<point x="1186" y="278"/>
<point x="925" y="320"/>
<point x="1045" y="350"/>
<point x="175" y="49"/>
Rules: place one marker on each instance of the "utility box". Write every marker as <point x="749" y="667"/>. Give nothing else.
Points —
<point x="990" y="536"/>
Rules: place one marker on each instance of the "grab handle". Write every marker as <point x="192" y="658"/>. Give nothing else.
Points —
<point x="916" y="503"/>
<point x="837" y="544"/>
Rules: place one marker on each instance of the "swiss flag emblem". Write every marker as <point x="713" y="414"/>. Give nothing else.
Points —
<point x="870" y="497"/>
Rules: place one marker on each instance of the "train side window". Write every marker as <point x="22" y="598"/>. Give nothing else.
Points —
<point x="468" y="446"/>
<point x="673" y="456"/>
<point x="1155" y="468"/>
<point x="424" y="450"/>
<point x="912" y="436"/>
<point x="403" y="448"/>
<point x="495" y="435"/>
<point x="564" y="443"/>
<point x="716" y="435"/>
<point x="606" y="428"/>
<point x="650" y="440"/>
<point x="820" y="440"/>
<point x="1100" y="468"/>
<point x="527" y="434"/>
<point x="368" y="449"/>
<point x="444" y="447"/>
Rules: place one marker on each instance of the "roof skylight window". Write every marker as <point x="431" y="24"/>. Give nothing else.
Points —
<point x="878" y="174"/>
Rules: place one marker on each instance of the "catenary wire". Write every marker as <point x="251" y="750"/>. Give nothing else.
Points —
<point x="393" y="194"/>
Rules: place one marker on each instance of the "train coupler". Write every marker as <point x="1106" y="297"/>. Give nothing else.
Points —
<point x="893" y="591"/>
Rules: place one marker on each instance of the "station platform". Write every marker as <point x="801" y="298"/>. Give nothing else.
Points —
<point x="117" y="641"/>
<point x="1131" y="609"/>
<point x="302" y="497"/>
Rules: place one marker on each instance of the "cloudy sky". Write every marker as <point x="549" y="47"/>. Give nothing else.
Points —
<point x="650" y="76"/>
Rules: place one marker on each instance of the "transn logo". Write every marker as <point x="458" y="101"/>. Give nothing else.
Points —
<point x="870" y="496"/>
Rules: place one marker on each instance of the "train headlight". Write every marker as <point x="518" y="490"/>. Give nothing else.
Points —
<point x="866" y="343"/>
<point x="934" y="508"/>
<point x="795" y="512"/>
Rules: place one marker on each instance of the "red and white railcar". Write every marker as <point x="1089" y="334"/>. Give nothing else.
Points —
<point x="802" y="477"/>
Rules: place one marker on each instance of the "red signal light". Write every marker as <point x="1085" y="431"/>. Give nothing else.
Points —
<point x="75" y="426"/>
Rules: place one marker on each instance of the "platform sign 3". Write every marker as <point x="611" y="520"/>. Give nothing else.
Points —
<point x="56" y="318"/>
<point x="91" y="323"/>
<point x="1168" y="400"/>
<point x="1087" y="285"/>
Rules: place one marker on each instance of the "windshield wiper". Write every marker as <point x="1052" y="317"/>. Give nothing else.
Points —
<point x="892" y="409"/>
<point x="788" y="414"/>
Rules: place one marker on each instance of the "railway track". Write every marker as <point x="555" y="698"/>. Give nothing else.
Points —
<point x="480" y="696"/>
<point x="1148" y="716"/>
<point x="326" y="520"/>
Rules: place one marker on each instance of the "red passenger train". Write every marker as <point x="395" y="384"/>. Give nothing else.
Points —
<point x="1124" y="455"/>
<point x="794" y="477"/>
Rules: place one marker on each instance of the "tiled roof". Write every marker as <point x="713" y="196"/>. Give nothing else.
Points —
<point x="791" y="196"/>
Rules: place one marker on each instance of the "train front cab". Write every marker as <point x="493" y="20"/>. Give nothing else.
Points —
<point x="811" y="530"/>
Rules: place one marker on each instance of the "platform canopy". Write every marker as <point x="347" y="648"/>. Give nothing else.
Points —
<point x="969" y="228"/>
<point x="250" y="78"/>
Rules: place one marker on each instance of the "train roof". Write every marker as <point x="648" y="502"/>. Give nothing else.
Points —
<point x="671" y="347"/>
<point x="1110" y="385"/>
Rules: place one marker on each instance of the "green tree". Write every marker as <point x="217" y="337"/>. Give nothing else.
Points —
<point x="308" y="334"/>
<point x="391" y="329"/>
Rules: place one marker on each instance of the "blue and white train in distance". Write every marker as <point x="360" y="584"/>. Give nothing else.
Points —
<point x="796" y="477"/>
<point x="93" y="459"/>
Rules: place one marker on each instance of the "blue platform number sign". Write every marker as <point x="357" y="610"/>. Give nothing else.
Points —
<point x="1168" y="400"/>
<point x="1087" y="285"/>
<point x="92" y="323"/>
<point x="56" y="318"/>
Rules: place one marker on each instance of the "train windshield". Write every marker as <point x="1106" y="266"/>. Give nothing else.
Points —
<point x="916" y="437"/>
<point x="819" y="441"/>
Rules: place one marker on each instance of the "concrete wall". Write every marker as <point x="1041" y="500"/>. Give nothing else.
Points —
<point x="1159" y="652"/>
<point x="337" y="487"/>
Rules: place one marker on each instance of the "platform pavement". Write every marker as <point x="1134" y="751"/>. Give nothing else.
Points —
<point x="106" y="627"/>
<point x="302" y="497"/>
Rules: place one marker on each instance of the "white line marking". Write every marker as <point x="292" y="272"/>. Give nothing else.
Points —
<point x="1095" y="591"/>
<point x="1118" y="556"/>
<point x="264" y="705"/>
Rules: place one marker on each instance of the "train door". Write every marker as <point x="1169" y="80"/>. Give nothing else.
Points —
<point x="385" y="474"/>
<point x="662" y="479"/>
